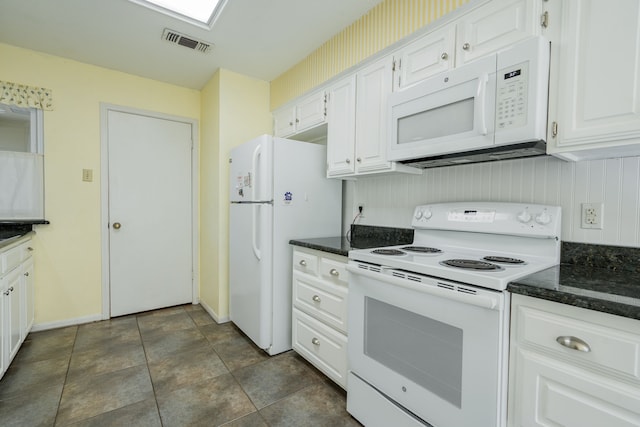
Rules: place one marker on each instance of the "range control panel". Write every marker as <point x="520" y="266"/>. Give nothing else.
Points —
<point x="533" y="220"/>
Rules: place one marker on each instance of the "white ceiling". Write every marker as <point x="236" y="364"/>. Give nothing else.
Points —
<point x="258" y="38"/>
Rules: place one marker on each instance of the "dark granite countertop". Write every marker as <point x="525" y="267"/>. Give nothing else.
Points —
<point x="597" y="277"/>
<point x="360" y="237"/>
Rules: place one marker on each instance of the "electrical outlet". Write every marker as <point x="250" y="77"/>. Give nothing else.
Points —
<point x="361" y="210"/>
<point x="592" y="215"/>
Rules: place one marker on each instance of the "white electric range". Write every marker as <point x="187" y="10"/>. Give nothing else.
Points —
<point x="428" y="322"/>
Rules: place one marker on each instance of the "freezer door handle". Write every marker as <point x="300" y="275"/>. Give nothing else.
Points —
<point x="254" y="232"/>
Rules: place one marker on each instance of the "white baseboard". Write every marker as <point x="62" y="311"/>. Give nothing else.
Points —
<point x="213" y="314"/>
<point x="67" y="322"/>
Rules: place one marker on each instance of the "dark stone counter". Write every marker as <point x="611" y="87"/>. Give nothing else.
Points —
<point x="596" y="277"/>
<point x="360" y="237"/>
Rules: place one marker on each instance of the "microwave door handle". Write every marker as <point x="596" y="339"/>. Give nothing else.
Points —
<point x="481" y="95"/>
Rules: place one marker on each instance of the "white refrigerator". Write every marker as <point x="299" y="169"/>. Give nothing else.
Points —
<point x="279" y="191"/>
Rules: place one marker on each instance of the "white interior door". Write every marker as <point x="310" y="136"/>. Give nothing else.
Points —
<point x="150" y="212"/>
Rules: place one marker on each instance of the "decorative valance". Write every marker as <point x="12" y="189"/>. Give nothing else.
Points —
<point x="25" y="96"/>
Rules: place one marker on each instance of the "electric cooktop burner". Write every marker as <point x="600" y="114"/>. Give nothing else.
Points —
<point x="421" y="249"/>
<point x="471" y="264"/>
<point x="387" y="252"/>
<point x="503" y="260"/>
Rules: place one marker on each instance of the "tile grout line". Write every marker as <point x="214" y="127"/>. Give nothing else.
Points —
<point x="66" y="375"/>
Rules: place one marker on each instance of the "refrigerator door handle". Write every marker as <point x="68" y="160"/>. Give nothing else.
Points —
<point x="254" y="166"/>
<point x="254" y="232"/>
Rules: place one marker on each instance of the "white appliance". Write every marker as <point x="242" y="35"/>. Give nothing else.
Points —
<point x="428" y="322"/>
<point x="278" y="192"/>
<point x="493" y="108"/>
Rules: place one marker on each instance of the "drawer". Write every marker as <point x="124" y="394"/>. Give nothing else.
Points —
<point x="305" y="262"/>
<point x="11" y="258"/>
<point x="321" y="299"/>
<point x="334" y="271"/>
<point x="610" y="347"/>
<point x="321" y="345"/>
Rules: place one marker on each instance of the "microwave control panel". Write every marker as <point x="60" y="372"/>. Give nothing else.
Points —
<point x="511" y="96"/>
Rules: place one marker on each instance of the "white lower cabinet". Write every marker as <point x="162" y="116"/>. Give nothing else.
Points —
<point x="319" y="312"/>
<point x="16" y="299"/>
<point x="572" y="367"/>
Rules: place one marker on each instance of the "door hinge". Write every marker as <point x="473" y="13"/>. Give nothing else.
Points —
<point x="554" y="129"/>
<point x="544" y="20"/>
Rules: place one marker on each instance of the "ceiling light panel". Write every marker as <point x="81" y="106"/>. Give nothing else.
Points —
<point x="201" y="11"/>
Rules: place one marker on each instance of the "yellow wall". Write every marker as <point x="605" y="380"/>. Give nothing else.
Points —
<point x="382" y="26"/>
<point x="68" y="251"/>
<point x="235" y="109"/>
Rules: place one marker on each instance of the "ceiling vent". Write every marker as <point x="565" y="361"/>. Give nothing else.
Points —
<point x="186" y="41"/>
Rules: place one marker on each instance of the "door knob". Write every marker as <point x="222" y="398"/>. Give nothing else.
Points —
<point x="117" y="225"/>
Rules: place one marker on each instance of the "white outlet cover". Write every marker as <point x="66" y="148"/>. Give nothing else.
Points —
<point x="591" y="215"/>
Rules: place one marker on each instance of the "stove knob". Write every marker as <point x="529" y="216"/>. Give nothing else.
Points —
<point x="427" y="214"/>
<point x="524" y="216"/>
<point x="419" y="214"/>
<point x="544" y="218"/>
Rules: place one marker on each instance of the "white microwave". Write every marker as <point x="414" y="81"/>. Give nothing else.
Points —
<point x="493" y="108"/>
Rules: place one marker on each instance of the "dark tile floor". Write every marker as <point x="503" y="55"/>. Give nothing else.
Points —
<point x="170" y="367"/>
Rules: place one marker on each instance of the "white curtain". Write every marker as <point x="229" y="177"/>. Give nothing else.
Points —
<point x="21" y="186"/>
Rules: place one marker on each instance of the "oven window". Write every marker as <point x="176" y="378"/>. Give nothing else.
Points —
<point x="424" y="350"/>
<point x="446" y="120"/>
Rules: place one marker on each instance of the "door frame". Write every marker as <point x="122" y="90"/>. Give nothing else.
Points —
<point x="105" y="108"/>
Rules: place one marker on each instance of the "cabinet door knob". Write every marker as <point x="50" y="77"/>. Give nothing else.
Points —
<point x="348" y="161"/>
<point x="315" y="341"/>
<point x="303" y="263"/>
<point x="358" y="160"/>
<point x="316" y="298"/>
<point x="30" y="249"/>
<point x="297" y="120"/>
<point x="290" y="123"/>
<point x="574" y="343"/>
<point x="444" y="56"/>
<point x="117" y="225"/>
<point x="26" y="274"/>
<point x="466" y="46"/>
<point x="6" y="292"/>
<point x="10" y="289"/>
<point x="334" y="272"/>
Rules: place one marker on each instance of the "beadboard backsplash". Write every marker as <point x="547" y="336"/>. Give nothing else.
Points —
<point x="389" y="199"/>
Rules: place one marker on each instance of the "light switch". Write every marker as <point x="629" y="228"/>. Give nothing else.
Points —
<point x="87" y="175"/>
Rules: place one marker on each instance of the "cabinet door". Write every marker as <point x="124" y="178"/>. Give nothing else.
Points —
<point x="27" y="297"/>
<point x="595" y="80"/>
<point x="374" y="84"/>
<point x="496" y="25"/>
<point x="284" y="122"/>
<point x="15" y="330"/>
<point x="552" y="393"/>
<point x="310" y="111"/>
<point x="341" y="106"/>
<point x="425" y="57"/>
<point x="4" y="326"/>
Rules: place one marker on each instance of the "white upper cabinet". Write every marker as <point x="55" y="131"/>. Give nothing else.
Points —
<point x="307" y="113"/>
<point x="341" y="109"/>
<point x="374" y="83"/>
<point x="425" y="57"/>
<point x="594" y="109"/>
<point x="496" y="25"/>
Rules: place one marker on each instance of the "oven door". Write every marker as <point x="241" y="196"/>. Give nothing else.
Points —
<point x="448" y="113"/>
<point x="434" y="349"/>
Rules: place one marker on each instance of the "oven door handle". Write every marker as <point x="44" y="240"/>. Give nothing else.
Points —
<point x="491" y="302"/>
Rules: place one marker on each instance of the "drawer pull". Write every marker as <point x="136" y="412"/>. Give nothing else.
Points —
<point x="303" y="263"/>
<point x="316" y="298"/>
<point x="315" y="341"/>
<point x="334" y="272"/>
<point x="574" y="343"/>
